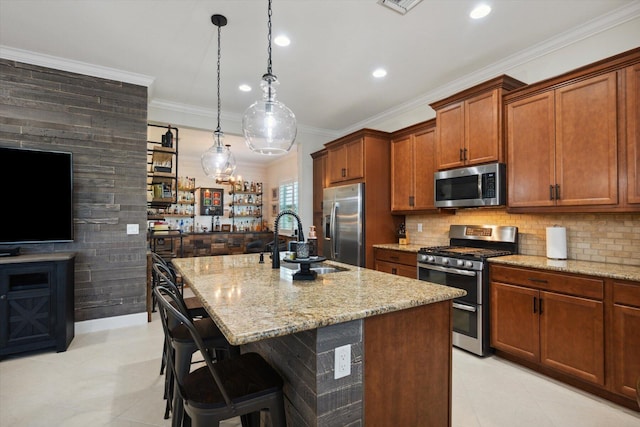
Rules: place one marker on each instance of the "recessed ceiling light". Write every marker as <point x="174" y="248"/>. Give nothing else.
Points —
<point x="480" y="11"/>
<point x="245" y="88"/>
<point x="379" y="73"/>
<point x="282" y="40"/>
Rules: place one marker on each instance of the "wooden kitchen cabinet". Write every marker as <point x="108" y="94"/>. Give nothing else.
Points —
<point x="552" y="319"/>
<point x="633" y="133"/>
<point x="412" y="168"/>
<point x="625" y="335"/>
<point x="346" y="161"/>
<point x="392" y="261"/>
<point x="320" y="182"/>
<point x="573" y="141"/>
<point x="366" y="152"/>
<point x="562" y="145"/>
<point x="469" y="130"/>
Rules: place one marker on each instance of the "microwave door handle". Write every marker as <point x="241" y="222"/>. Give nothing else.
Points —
<point x="480" y="195"/>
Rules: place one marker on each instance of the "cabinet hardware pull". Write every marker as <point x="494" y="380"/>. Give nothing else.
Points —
<point x="533" y="279"/>
<point x="551" y="192"/>
<point x="394" y="271"/>
<point x="535" y="303"/>
<point x="464" y="157"/>
<point x="461" y="155"/>
<point x="344" y="172"/>
<point x="557" y="191"/>
<point x="540" y="307"/>
<point x="394" y="257"/>
<point x="411" y="202"/>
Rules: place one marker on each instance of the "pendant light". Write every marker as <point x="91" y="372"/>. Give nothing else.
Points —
<point x="268" y="125"/>
<point x="218" y="162"/>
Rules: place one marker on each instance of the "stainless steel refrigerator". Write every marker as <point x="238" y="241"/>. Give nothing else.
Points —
<point x="343" y="224"/>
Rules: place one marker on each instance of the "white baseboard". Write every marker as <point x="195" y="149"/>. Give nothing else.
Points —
<point x="107" y="323"/>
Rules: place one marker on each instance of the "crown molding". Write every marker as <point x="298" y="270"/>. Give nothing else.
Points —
<point x="615" y="18"/>
<point x="72" y="66"/>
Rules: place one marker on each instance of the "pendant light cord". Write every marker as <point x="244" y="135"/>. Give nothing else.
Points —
<point x="218" y="128"/>
<point x="269" y="39"/>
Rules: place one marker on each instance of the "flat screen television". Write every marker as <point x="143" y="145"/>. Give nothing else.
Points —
<point x="37" y="196"/>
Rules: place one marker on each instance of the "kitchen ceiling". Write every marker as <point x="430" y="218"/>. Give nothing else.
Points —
<point x="325" y="73"/>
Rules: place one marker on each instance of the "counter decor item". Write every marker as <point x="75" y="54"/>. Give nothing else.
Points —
<point x="556" y="242"/>
<point x="402" y="235"/>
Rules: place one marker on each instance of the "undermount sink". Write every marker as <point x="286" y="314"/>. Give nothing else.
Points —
<point x="324" y="269"/>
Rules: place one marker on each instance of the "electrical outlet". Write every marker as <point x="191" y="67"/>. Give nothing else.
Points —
<point x="420" y="228"/>
<point x="133" y="229"/>
<point x="343" y="361"/>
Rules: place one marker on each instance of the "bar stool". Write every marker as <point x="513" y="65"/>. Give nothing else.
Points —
<point x="239" y="386"/>
<point x="183" y="346"/>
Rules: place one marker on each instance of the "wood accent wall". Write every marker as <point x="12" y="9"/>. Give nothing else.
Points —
<point x="104" y="124"/>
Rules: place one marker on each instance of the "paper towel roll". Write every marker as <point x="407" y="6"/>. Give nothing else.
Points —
<point x="556" y="242"/>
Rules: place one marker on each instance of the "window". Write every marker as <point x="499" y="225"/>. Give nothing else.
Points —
<point x="288" y="201"/>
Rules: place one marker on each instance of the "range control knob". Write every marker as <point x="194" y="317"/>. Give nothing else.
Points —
<point x="460" y="262"/>
<point x="431" y="258"/>
<point x="468" y="264"/>
<point x="445" y="261"/>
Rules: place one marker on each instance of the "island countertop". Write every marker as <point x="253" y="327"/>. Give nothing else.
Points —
<point x="250" y="301"/>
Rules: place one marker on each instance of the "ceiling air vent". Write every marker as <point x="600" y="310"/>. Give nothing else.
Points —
<point x="400" y="6"/>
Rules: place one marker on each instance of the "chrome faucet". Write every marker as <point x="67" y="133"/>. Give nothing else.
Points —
<point x="275" y="256"/>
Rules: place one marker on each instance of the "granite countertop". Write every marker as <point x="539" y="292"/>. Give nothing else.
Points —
<point x="398" y="247"/>
<point x="251" y="301"/>
<point x="598" y="269"/>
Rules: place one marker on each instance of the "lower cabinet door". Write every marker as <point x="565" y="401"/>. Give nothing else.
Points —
<point x="572" y="335"/>
<point x="626" y="349"/>
<point x="515" y="326"/>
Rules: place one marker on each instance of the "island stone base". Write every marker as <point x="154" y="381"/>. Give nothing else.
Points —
<point x="400" y="366"/>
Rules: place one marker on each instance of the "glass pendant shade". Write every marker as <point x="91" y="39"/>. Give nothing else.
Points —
<point x="218" y="162"/>
<point x="269" y="126"/>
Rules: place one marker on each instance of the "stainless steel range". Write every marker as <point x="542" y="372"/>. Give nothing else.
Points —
<point x="463" y="264"/>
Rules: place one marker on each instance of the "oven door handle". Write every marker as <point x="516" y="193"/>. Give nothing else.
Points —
<point x="464" y="307"/>
<point x="449" y="270"/>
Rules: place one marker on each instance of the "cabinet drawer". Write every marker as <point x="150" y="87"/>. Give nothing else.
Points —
<point x="399" y="269"/>
<point x="398" y="257"/>
<point x="627" y="293"/>
<point x="558" y="282"/>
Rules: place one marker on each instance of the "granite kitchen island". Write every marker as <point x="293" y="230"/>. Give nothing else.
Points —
<point x="398" y="330"/>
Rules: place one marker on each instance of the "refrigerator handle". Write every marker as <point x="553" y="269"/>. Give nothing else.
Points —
<point x="332" y="230"/>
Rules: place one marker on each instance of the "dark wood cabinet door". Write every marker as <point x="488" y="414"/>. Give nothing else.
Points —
<point x="586" y="142"/>
<point x="450" y="136"/>
<point x="625" y="332"/>
<point x="572" y="336"/>
<point x="355" y="159"/>
<point x="482" y="132"/>
<point x="319" y="180"/>
<point x="633" y="133"/>
<point x="530" y="150"/>
<point x="402" y="171"/>
<point x="337" y="164"/>
<point x="514" y="323"/>
<point x="424" y="168"/>
<point x="398" y="269"/>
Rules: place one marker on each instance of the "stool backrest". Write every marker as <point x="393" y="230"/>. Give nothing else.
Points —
<point x="169" y="314"/>
<point x="162" y="276"/>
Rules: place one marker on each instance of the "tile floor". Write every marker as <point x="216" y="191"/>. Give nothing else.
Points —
<point x="111" y="378"/>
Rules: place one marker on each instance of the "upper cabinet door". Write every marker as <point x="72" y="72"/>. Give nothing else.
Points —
<point x="402" y="164"/>
<point x="531" y="150"/>
<point x="482" y="130"/>
<point x="633" y="133"/>
<point x="450" y="136"/>
<point x="346" y="161"/>
<point x="586" y="142"/>
<point x="424" y="168"/>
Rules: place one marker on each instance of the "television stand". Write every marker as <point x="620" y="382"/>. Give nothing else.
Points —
<point x="37" y="309"/>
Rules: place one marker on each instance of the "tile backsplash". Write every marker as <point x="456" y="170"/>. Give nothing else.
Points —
<point x="612" y="238"/>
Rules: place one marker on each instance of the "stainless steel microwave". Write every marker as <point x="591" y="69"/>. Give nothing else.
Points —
<point x="483" y="185"/>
